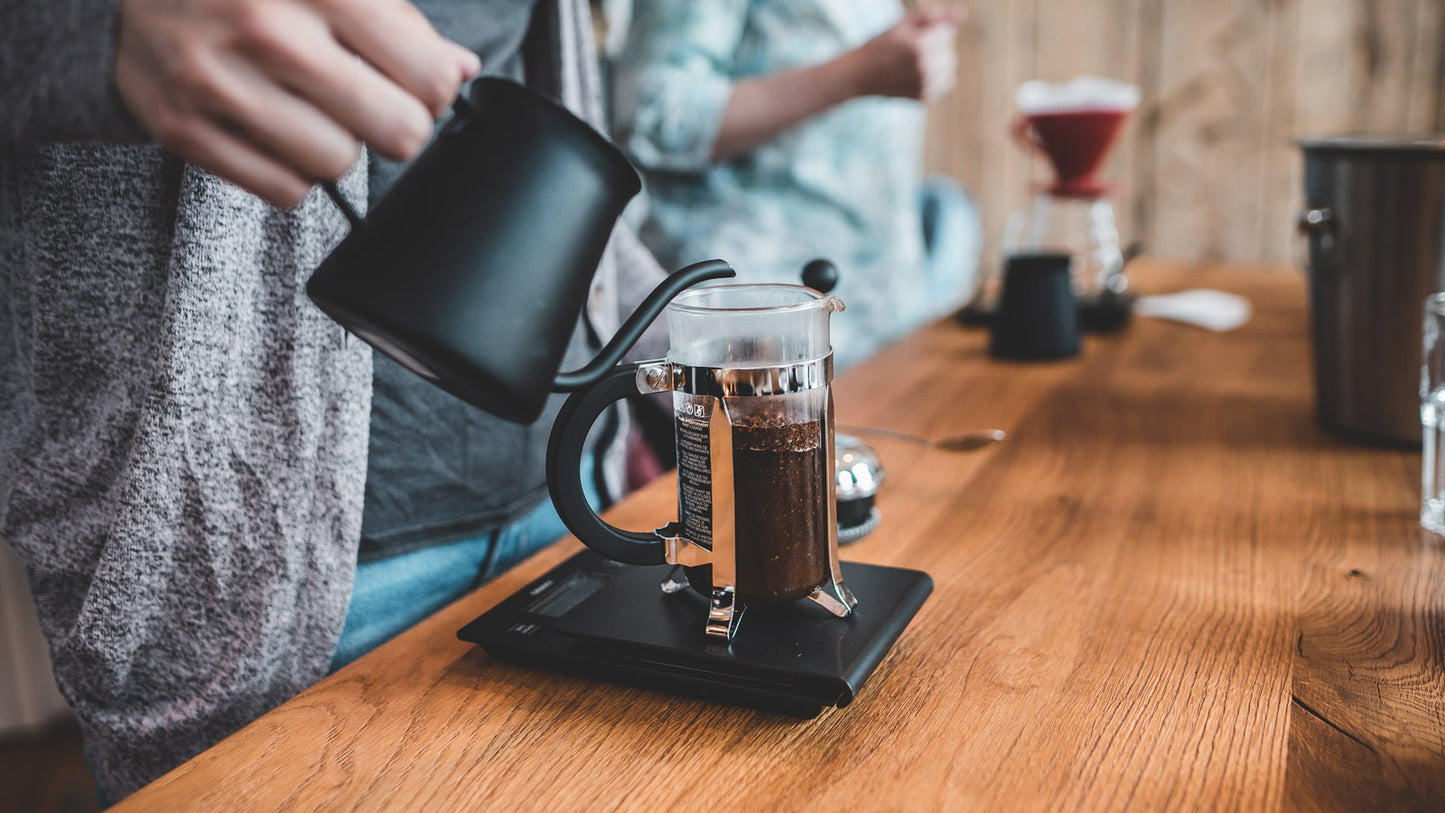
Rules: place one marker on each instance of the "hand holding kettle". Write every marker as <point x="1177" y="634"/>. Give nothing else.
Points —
<point x="274" y="95"/>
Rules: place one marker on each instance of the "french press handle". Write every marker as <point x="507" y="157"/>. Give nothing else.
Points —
<point x="564" y="472"/>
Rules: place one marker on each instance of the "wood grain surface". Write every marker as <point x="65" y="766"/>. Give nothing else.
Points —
<point x="1167" y="589"/>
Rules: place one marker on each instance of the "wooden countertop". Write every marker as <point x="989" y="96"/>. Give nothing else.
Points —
<point x="1167" y="589"/>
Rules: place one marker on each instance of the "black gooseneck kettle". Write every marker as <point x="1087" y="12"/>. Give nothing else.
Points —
<point x="473" y="269"/>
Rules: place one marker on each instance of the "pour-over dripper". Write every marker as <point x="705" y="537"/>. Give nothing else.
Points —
<point x="1074" y="125"/>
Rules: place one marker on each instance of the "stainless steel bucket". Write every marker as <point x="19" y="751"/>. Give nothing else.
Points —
<point x="1375" y="216"/>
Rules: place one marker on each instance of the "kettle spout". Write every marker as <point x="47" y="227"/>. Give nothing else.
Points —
<point x="638" y="322"/>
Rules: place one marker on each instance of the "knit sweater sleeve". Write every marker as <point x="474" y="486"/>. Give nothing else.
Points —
<point x="57" y="73"/>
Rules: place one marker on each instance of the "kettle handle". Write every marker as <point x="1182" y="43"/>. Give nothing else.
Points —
<point x="462" y="111"/>
<point x="564" y="472"/>
<point x="352" y="216"/>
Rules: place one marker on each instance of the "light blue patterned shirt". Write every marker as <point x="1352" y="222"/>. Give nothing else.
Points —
<point x="843" y="185"/>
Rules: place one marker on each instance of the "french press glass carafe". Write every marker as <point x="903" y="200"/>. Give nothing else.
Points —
<point x="750" y="367"/>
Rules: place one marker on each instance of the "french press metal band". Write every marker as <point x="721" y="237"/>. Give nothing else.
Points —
<point x="721" y="384"/>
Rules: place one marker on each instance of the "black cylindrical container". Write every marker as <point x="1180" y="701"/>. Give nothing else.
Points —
<point x="1375" y="215"/>
<point x="1037" y="317"/>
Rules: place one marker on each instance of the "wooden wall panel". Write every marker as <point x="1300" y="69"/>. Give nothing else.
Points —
<point x="1426" y="55"/>
<point x="1208" y="167"/>
<point x="968" y="128"/>
<point x="1209" y="96"/>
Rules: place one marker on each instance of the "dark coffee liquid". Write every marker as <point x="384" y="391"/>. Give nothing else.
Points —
<point x="781" y="510"/>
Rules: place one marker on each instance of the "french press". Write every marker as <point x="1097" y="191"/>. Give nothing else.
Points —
<point x="750" y="368"/>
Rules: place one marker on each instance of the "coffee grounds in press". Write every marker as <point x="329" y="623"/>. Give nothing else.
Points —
<point x="781" y="510"/>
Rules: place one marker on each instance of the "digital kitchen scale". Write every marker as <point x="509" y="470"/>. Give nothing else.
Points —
<point x="598" y="618"/>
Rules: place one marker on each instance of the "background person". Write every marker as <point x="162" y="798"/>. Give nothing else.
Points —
<point x="776" y="131"/>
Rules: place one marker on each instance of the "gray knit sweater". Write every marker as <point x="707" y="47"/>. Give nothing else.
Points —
<point x="183" y="436"/>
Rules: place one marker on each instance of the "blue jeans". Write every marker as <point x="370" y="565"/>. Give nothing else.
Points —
<point x="393" y="594"/>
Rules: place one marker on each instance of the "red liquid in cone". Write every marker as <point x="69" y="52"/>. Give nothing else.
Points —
<point x="1077" y="142"/>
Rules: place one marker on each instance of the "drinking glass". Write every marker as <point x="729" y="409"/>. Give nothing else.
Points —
<point x="1432" y="416"/>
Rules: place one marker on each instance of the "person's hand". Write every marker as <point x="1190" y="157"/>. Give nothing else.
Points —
<point x="914" y="59"/>
<point x="274" y="95"/>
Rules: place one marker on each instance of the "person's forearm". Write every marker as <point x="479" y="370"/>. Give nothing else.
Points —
<point x="914" y="60"/>
<point x="760" y="109"/>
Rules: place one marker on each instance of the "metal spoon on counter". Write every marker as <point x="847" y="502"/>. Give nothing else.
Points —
<point x="968" y="442"/>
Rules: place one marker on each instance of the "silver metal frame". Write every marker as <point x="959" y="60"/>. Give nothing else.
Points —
<point x="725" y="611"/>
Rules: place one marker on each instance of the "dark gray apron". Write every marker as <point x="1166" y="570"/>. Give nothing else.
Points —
<point x="440" y="470"/>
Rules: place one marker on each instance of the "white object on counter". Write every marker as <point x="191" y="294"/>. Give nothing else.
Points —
<point x="1202" y="307"/>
